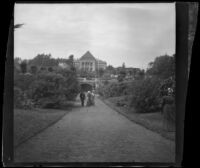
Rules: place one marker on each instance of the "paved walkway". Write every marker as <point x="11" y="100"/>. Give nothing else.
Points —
<point x="96" y="134"/>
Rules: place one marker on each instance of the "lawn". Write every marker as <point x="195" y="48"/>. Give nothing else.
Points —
<point x="152" y="121"/>
<point x="28" y="123"/>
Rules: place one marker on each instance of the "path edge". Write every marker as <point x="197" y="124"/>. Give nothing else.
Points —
<point x="40" y="131"/>
<point x="136" y="122"/>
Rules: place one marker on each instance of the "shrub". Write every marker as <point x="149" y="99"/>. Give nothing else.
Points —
<point x="71" y="85"/>
<point x="145" y="95"/>
<point x="23" y="81"/>
<point x="115" y="89"/>
<point x="169" y="116"/>
<point x="33" y="69"/>
<point x="23" y="66"/>
<point x="18" y="95"/>
<point x="47" y="89"/>
<point x="50" y="102"/>
<point x="21" y="100"/>
<point x="51" y="89"/>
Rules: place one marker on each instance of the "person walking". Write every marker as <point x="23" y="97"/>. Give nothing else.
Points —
<point x="93" y="98"/>
<point x="82" y="97"/>
<point x="89" y="98"/>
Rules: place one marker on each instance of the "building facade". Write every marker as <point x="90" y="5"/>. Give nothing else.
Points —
<point x="89" y="63"/>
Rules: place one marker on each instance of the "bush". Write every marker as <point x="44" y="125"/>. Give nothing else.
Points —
<point x="145" y="95"/>
<point x="47" y="89"/>
<point x="71" y="86"/>
<point x="50" y="90"/>
<point x="50" y="102"/>
<point x="23" y="81"/>
<point x="115" y="89"/>
<point x="18" y="96"/>
<point x="169" y="116"/>
<point x="21" y="100"/>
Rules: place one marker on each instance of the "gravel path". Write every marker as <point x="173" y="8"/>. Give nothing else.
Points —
<point x="96" y="134"/>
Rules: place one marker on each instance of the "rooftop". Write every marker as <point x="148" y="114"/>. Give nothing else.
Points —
<point x="88" y="56"/>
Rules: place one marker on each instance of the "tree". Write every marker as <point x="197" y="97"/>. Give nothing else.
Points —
<point x="34" y="69"/>
<point x="145" y="95"/>
<point x="123" y="66"/>
<point x="71" y="87"/>
<point x="17" y="62"/>
<point x="42" y="69"/>
<point x="50" y="69"/>
<point x="141" y="74"/>
<point x="23" y="67"/>
<point x="163" y="67"/>
<point x="150" y="65"/>
<point x="101" y="72"/>
<point x="71" y="62"/>
<point x="122" y="75"/>
<point x="43" y="60"/>
<point x="110" y="69"/>
<point x="71" y="59"/>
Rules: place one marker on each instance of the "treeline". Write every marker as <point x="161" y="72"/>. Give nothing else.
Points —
<point x="153" y="91"/>
<point x="40" y="82"/>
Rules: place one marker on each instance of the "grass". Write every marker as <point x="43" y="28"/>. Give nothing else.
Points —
<point x="152" y="121"/>
<point x="28" y="123"/>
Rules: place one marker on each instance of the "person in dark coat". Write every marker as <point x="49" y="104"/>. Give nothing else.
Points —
<point x="82" y="97"/>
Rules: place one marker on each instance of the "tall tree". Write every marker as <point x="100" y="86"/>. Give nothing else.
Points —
<point x="101" y="72"/>
<point x="123" y="65"/>
<point x="23" y="67"/>
<point x="34" y="69"/>
<point x="44" y="60"/>
<point x="163" y="67"/>
<point x="121" y="75"/>
<point x="71" y="62"/>
<point x="110" y="69"/>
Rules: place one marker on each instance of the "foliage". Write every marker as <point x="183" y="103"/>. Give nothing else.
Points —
<point x="163" y="67"/>
<point x="50" y="69"/>
<point x="145" y="95"/>
<point x="21" y="99"/>
<point x="114" y="89"/>
<point x="139" y="74"/>
<point x="101" y="72"/>
<point x="34" y="69"/>
<point x="122" y="75"/>
<point x="165" y="85"/>
<point x="23" y="67"/>
<point x="46" y="86"/>
<point x="18" y="96"/>
<point x="23" y="81"/>
<point x="71" y="86"/>
<point x="169" y="117"/>
<point x="43" y="60"/>
<point x="110" y="69"/>
<point x="71" y="62"/>
<point x="123" y="65"/>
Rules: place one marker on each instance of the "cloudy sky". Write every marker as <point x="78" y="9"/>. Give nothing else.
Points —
<point x="131" y="33"/>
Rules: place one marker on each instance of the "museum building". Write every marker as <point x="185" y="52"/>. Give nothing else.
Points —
<point x="89" y="63"/>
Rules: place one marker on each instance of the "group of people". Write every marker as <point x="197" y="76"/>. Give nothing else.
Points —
<point x="90" y="98"/>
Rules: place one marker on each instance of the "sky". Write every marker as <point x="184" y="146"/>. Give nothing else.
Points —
<point x="132" y="33"/>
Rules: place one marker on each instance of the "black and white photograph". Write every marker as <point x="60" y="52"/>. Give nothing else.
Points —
<point x="94" y="82"/>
